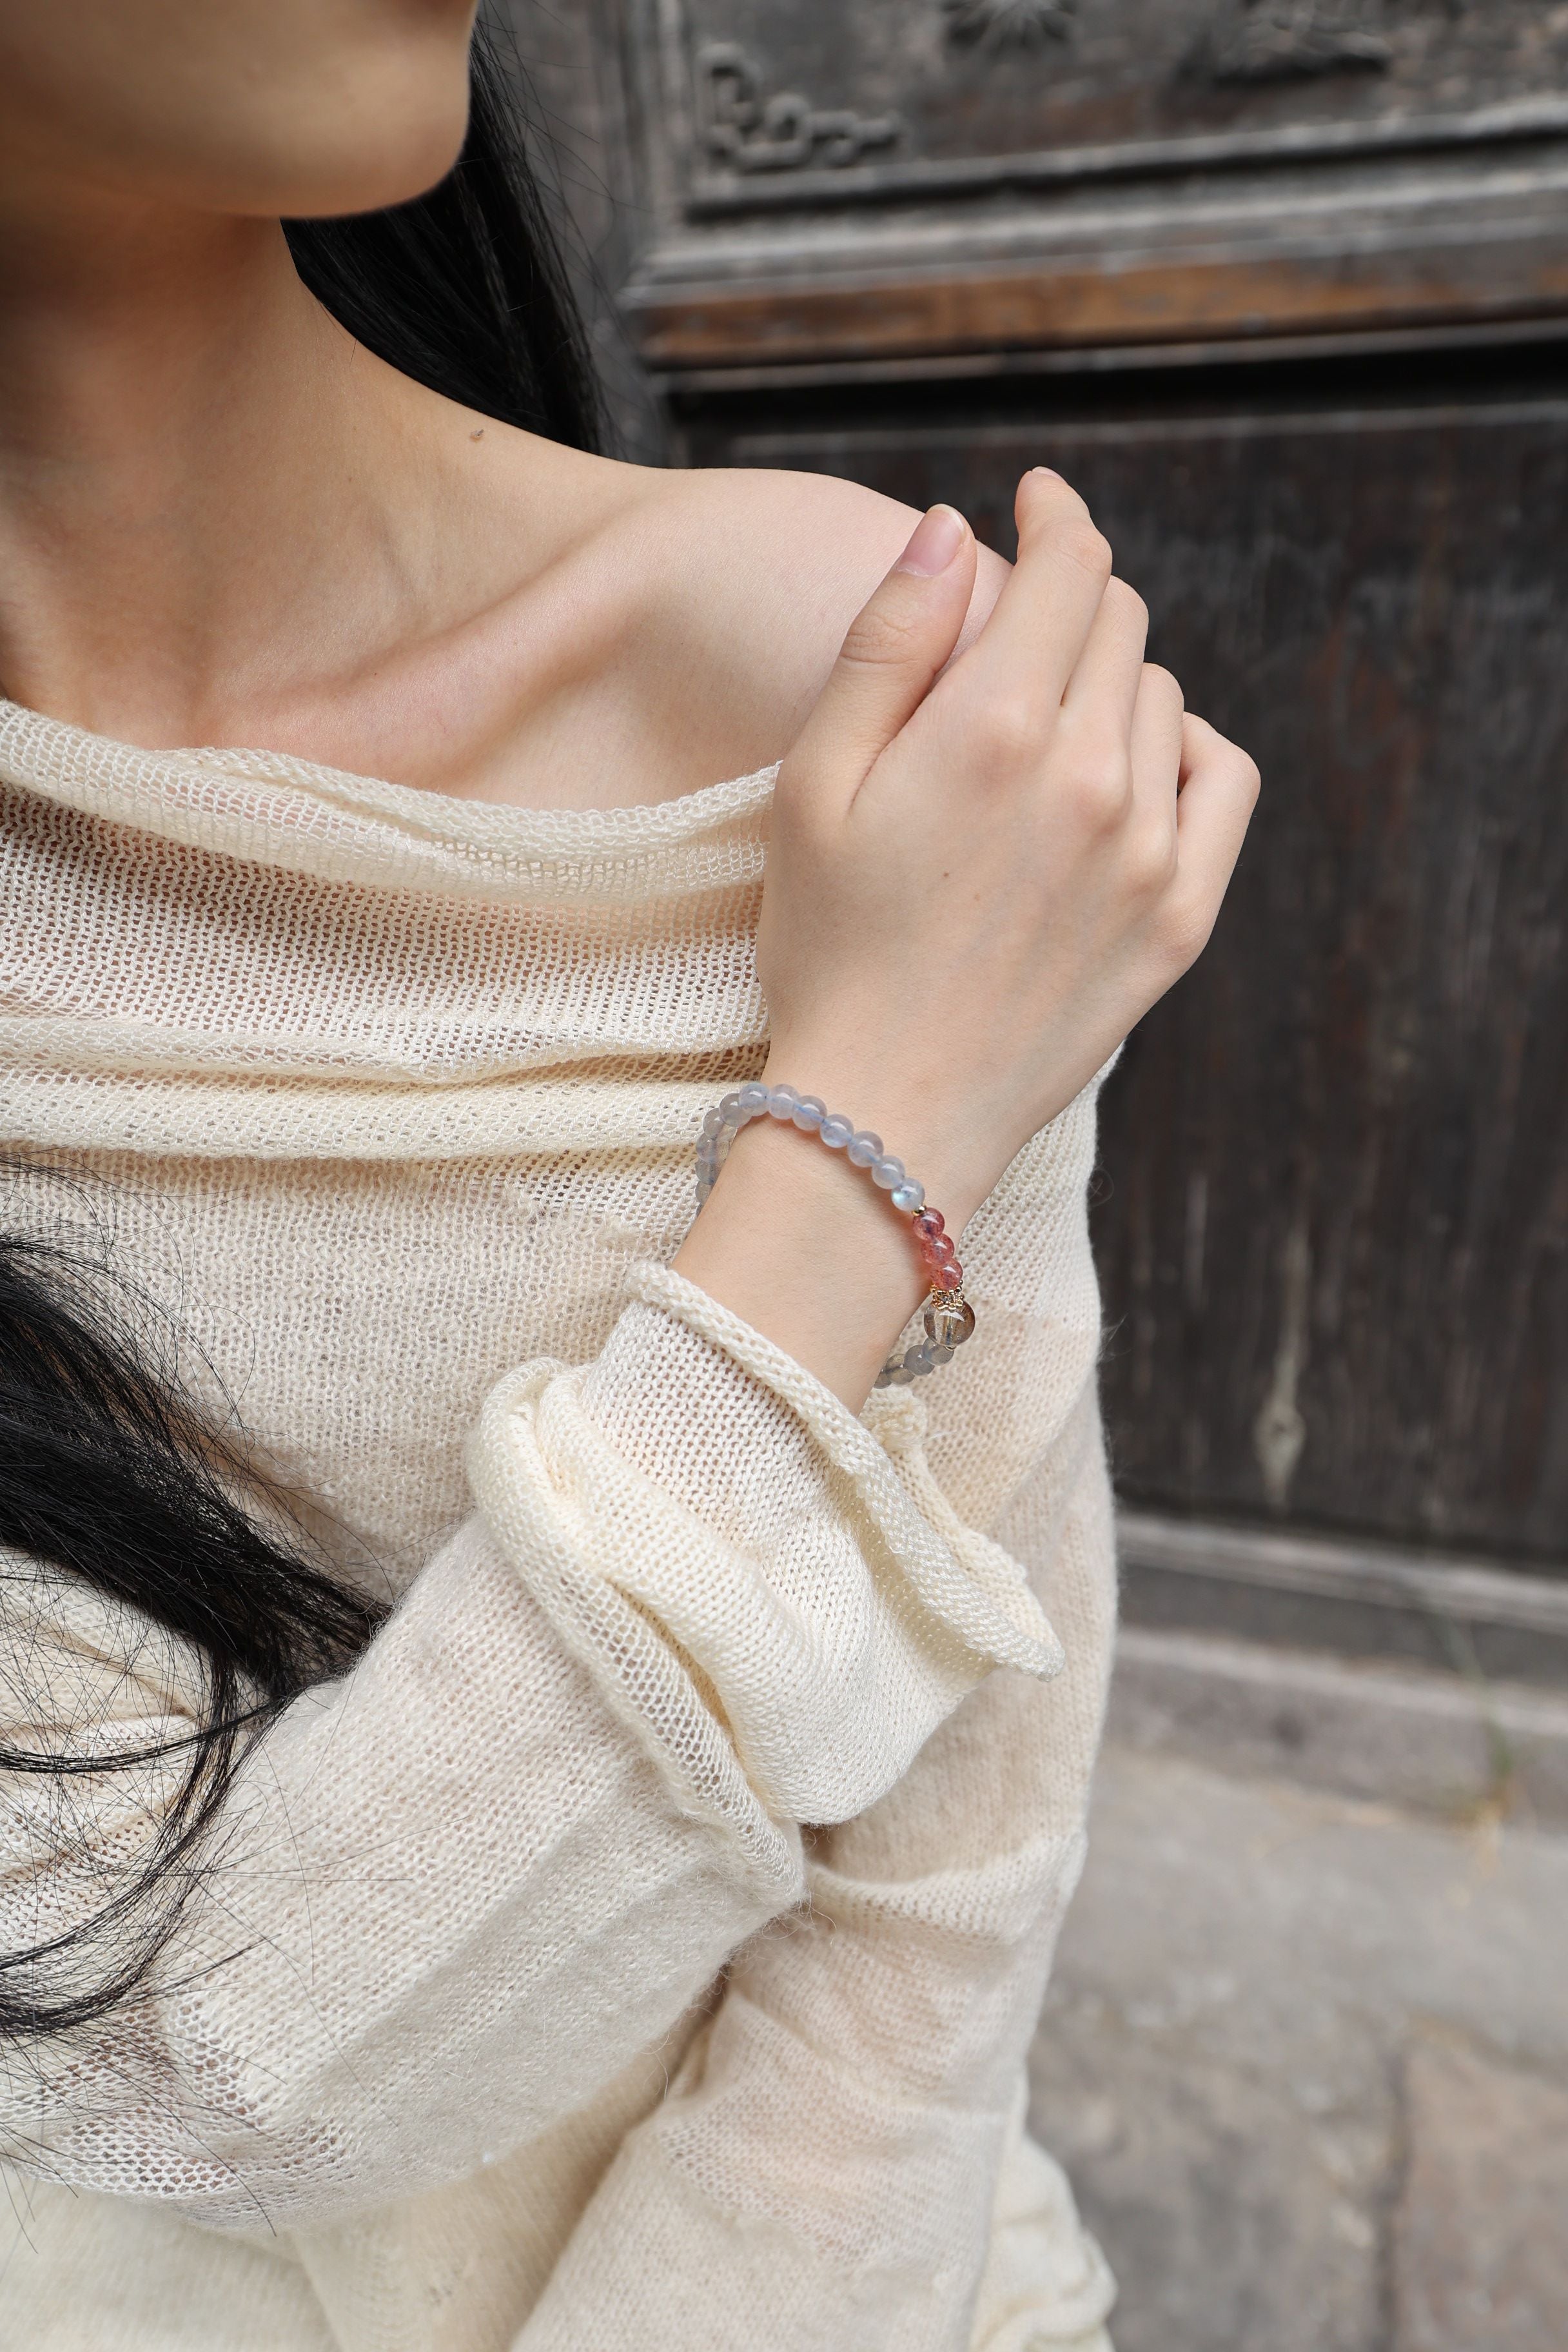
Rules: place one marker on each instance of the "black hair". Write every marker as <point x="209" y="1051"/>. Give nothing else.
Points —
<point x="110" y="1475"/>
<point x="109" y="1472"/>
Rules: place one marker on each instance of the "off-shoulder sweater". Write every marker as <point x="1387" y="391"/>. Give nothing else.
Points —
<point x="512" y="2004"/>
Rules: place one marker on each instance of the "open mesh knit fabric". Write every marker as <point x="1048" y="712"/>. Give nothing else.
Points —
<point x="514" y="2008"/>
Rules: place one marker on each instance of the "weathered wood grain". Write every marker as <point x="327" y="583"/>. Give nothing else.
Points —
<point x="827" y="97"/>
<point x="1334" y="1221"/>
<point x="892" y="177"/>
<point x="1404" y="279"/>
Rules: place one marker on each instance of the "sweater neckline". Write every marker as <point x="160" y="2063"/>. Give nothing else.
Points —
<point x="271" y="808"/>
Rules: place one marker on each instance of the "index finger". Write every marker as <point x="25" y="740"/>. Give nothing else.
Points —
<point x="1026" y="655"/>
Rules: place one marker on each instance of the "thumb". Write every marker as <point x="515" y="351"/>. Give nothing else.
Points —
<point x="896" y="648"/>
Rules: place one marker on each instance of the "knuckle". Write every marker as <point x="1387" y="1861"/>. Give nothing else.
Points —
<point x="1128" y="607"/>
<point x="1208" y="750"/>
<point x="1048" y="507"/>
<point x="1185" y="928"/>
<point x="1011" y="729"/>
<point x="1240" y="771"/>
<point x="1151" y="860"/>
<point x="1166" y="684"/>
<point x="1083" y="543"/>
<point x="882" y="635"/>
<point x="1051" y="493"/>
<point x="1101" y="786"/>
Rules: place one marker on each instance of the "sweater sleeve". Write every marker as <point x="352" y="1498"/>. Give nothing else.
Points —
<point x="449" y="1896"/>
<point x="459" y="1891"/>
<point x="719" y="1537"/>
<point x="841" y="2165"/>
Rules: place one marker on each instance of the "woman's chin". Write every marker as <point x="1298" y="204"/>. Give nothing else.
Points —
<point x="342" y="178"/>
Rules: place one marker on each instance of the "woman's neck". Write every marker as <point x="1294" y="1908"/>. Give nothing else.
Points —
<point x="214" y="504"/>
<point x="224" y="522"/>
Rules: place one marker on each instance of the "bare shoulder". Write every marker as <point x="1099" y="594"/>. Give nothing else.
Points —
<point x="785" y="561"/>
<point x="645" y="631"/>
<point x="749" y="580"/>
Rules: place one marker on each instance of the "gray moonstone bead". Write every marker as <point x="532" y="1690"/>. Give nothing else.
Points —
<point x="864" y="1149"/>
<point x="909" y="1195"/>
<point x="836" y="1131"/>
<point x="887" y="1173"/>
<point x="809" y="1113"/>
<point x="782" y="1101"/>
<point x="754" y="1099"/>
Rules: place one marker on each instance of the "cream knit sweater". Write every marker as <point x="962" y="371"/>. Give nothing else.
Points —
<point x="516" y="2009"/>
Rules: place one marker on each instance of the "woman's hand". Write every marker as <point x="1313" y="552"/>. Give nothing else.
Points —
<point x="981" y="877"/>
<point x="982" y="873"/>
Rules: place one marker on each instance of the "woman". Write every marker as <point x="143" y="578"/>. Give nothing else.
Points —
<point x="460" y="1973"/>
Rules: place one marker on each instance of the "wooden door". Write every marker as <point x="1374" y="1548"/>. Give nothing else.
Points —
<point x="1282" y="285"/>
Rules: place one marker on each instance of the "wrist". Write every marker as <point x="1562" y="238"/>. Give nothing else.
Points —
<point x="904" y="1114"/>
<point x="803" y="1246"/>
<point x="784" y="1240"/>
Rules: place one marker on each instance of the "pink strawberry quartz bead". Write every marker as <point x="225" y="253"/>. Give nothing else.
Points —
<point x="928" y="1225"/>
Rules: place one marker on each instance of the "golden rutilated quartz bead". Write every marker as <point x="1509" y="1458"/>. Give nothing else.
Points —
<point x="949" y="1318"/>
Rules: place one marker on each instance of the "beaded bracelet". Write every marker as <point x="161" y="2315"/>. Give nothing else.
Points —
<point x="949" y="1318"/>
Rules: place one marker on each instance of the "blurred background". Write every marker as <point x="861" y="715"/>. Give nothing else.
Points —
<point x="1282" y="286"/>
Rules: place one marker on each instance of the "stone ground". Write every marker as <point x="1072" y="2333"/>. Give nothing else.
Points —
<point x="1306" y="2058"/>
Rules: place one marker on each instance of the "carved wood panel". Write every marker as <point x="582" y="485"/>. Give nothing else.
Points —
<point x="1333" y="1225"/>
<point x="910" y="96"/>
<point x="884" y="178"/>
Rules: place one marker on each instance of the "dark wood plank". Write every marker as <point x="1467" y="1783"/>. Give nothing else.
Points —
<point x="1053" y="303"/>
<point x="1334" y="1222"/>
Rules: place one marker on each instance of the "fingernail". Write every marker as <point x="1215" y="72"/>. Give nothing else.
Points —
<point x="938" y="536"/>
<point x="1047" y="473"/>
